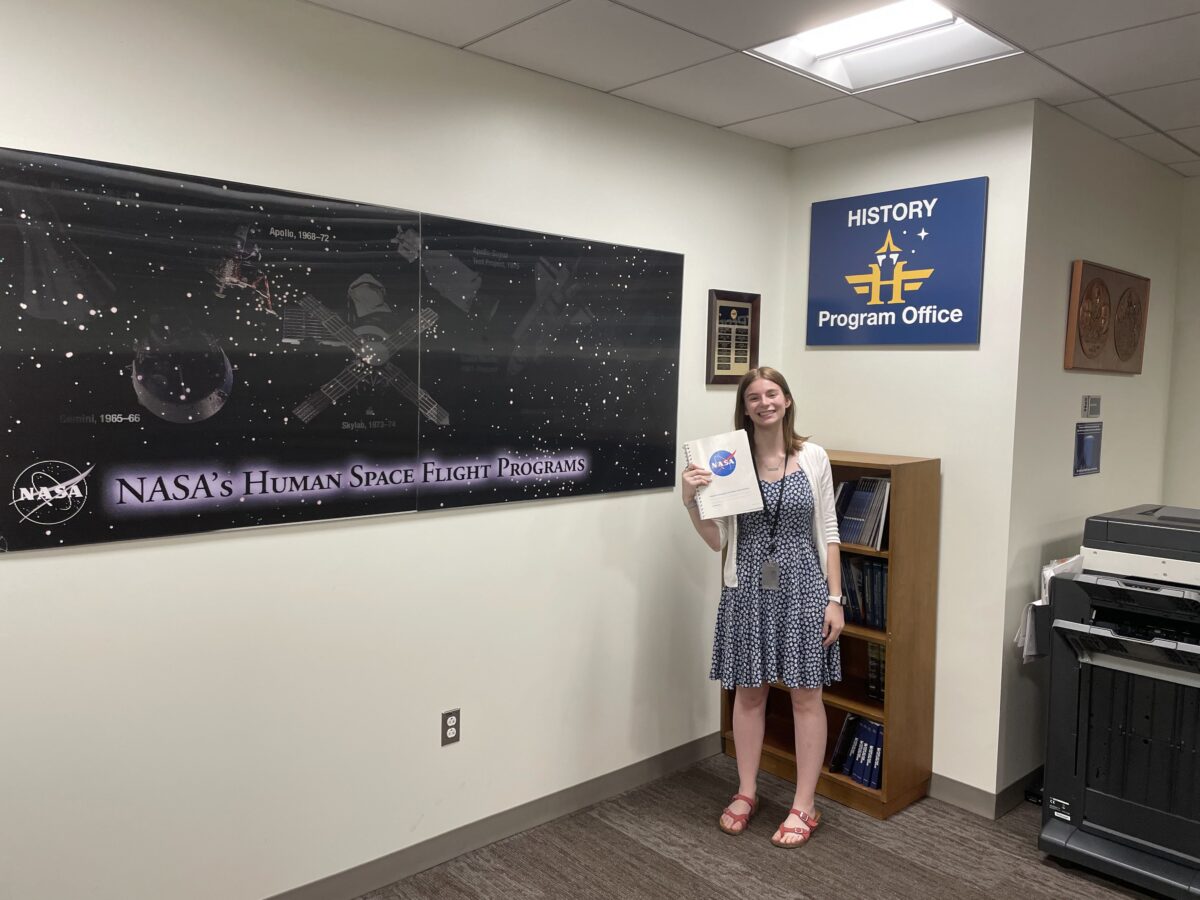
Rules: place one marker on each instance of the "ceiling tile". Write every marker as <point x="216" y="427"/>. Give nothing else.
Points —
<point x="749" y="23"/>
<point x="598" y="44"/>
<point x="1106" y="118"/>
<point x="822" y="122"/>
<point x="456" y="22"/>
<point x="1190" y="136"/>
<point x="1190" y="169"/>
<point x="988" y="84"/>
<point x="1134" y="59"/>
<point x="730" y="89"/>
<point x="1034" y="24"/>
<point x="1169" y="108"/>
<point x="1160" y="147"/>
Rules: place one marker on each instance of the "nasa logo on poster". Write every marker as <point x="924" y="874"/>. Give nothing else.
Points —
<point x="50" y="492"/>
<point x="899" y="267"/>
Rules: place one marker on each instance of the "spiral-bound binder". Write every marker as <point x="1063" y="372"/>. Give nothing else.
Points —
<point x="734" y="486"/>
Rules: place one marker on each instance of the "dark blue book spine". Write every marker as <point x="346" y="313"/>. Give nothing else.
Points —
<point x="847" y="590"/>
<point x="856" y="581"/>
<point x="841" y="747"/>
<point x="877" y="764"/>
<point x="883" y="567"/>
<point x="855" y="747"/>
<point x="842" y="501"/>
<point x="883" y="592"/>
<point x="860" y="771"/>
<point x="877" y="591"/>
<point x="869" y="592"/>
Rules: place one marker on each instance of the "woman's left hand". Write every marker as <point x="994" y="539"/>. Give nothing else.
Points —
<point x="835" y="621"/>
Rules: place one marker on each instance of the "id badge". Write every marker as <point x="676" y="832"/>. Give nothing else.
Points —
<point x="770" y="575"/>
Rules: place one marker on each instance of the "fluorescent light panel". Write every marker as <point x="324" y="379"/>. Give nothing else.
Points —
<point x="883" y="24"/>
<point x="894" y="43"/>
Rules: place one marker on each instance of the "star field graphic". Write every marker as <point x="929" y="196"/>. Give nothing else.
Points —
<point x="183" y="354"/>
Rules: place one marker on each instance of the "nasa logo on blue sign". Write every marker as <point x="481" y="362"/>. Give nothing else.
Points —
<point x="722" y="463"/>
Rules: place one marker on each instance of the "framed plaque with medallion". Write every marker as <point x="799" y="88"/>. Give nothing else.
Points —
<point x="1106" y="319"/>
<point x="732" y="336"/>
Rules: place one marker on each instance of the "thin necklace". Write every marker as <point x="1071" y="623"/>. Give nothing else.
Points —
<point x="782" y="460"/>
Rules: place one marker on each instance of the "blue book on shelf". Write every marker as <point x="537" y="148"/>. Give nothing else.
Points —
<point x="845" y="492"/>
<point x="883" y="567"/>
<point x="883" y="591"/>
<point x="856" y="512"/>
<point x="869" y="593"/>
<point x="848" y="588"/>
<point x="871" y="518"/>
<point x="841" y="748"/>
<point x="861" y="769"/>
<point x="877" y="592"/>
<point x="881" y="525"/>
<point x="855" y="747"/>
<point x="857" y="600"/>
<point x="877" y="763"/>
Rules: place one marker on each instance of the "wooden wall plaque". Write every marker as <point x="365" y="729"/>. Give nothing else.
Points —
<point x="1106" y="319"/>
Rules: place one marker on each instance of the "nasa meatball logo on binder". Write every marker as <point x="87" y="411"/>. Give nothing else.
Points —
<point x="899" y="267"/>
<point x="723" y="463"/>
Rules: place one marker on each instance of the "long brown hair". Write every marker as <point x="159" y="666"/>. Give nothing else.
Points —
<point x="793" y="440"/>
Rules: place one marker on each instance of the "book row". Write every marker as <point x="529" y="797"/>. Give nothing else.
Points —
<point x="862" y="510"/>
<point x="865" y="582"/>
<point x="858" y="751"/>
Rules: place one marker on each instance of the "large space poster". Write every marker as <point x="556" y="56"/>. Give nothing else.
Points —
<point x="180" y="354"/>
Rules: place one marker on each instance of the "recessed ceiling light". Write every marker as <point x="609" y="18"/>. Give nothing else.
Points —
<point x="894" y="43"/>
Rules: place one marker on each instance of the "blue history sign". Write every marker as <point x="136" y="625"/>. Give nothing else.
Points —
<point x="899" y="267"/>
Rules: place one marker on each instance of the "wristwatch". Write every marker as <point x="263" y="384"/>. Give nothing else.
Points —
<point x="839" y="599"/>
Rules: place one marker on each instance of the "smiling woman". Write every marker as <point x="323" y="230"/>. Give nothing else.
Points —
<point x="780" y="613"/>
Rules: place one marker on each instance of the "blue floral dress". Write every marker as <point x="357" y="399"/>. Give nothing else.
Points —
<point x="774" y="636"/>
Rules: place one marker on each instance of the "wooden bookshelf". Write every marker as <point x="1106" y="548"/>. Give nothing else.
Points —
<point x="909" y="642"/>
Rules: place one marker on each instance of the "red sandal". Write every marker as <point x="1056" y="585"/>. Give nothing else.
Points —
<point x="811" y="823"/>
<point x="742" y="819"/>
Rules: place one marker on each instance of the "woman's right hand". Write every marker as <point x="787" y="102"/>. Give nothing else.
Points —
<point x="692" y="480"/>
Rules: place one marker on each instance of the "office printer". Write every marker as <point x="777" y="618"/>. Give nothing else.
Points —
<point x="1122" y="783"/>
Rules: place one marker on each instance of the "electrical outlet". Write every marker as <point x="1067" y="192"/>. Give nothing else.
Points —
<point x="451" y="726"/>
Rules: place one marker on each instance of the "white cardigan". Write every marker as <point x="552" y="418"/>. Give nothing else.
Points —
<point x="814" y="461"/>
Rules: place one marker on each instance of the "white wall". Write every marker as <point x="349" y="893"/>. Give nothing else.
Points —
<point x="235" y="715"/>
<point x="1182" y="476"/>
<point x="1090" y="198"/>
<point x="955" y="403"/>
